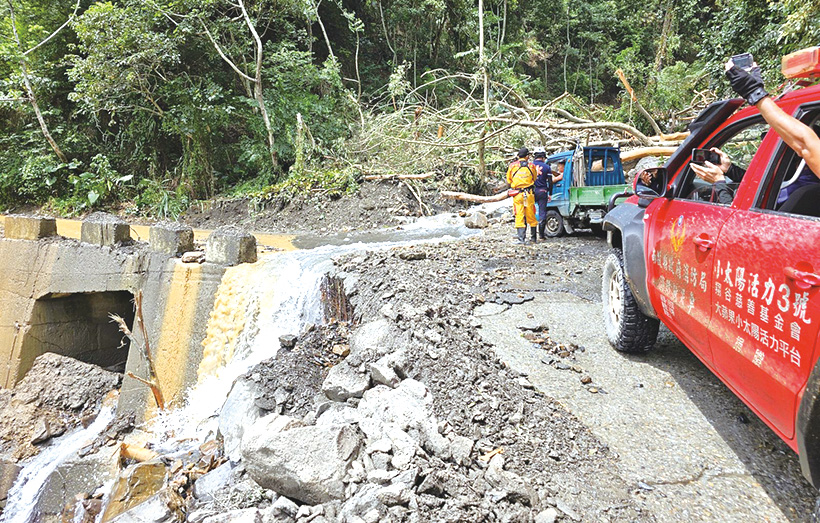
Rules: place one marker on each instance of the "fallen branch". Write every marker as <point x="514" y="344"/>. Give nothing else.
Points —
<point x="379" y="177"/>
<point x="144" y="348"/>
<point x="643" y="111"/>
<point x="637" y="154"/>
<point x="425" y="210"/>
<point x="467" y="197"/>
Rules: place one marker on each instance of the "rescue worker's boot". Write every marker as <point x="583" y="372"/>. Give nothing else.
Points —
<point x="534" y="234"/>
<point x="542" y="227"/>
<point x="522" y="234"/>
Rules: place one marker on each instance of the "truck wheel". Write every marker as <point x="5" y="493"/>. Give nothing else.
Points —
<point x="555" y="224"/>
<point x="627" y="328"/>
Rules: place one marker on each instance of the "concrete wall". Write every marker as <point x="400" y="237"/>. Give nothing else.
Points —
<point x="56" y="293"/>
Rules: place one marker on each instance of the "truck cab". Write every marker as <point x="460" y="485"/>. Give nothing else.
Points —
<point x="579" y="201"/>
<point x="737" y="278"/>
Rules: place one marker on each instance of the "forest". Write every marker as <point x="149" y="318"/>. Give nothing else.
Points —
<point x="145" y="106"/>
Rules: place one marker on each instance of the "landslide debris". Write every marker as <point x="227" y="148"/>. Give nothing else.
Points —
<point x="56" y="395"/>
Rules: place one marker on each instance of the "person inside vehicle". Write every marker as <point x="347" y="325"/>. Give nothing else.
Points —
<point x="797" y="135"/>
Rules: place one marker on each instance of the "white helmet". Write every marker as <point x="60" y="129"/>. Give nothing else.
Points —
<point x="539" y="151"/>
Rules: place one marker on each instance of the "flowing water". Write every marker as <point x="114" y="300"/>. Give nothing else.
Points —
<point x="23" y="496"/>
<point x="255" y="304"/>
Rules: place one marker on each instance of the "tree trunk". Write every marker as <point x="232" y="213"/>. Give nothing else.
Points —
<point x="32" y="98"/>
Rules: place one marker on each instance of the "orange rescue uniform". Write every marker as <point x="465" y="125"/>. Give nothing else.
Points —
<point x="521" y="176"/>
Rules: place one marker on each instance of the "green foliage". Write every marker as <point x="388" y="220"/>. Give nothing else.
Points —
<point x="155" y="198"/>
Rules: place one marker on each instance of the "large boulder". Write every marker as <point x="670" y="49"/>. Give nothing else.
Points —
<point x="476" y="220"/>
<point x="238" y="412"/>
<point x="409" y="409"/>
<point x="343" y="382"/>
<point x="303" y="463"/>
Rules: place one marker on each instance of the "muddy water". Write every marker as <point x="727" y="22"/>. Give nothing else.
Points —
<point x="72" y="229"/>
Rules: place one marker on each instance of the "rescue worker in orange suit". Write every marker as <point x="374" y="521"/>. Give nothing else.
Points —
<point x="521" y="178"/>
<point x="543" y="187"/>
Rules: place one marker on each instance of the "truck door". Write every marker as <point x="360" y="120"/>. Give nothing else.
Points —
<point x="683" y="234"/>
<point x="766" y="312"/>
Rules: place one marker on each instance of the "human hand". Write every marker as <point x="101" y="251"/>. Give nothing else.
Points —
<point x="725" y="161"/>
<point x="709" y="172"/>
<point x="748" y="84"/>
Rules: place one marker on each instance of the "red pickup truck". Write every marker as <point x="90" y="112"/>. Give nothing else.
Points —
<point x="733" y="271"/>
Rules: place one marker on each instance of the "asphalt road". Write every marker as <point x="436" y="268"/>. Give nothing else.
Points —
<point x="690" y="447"/>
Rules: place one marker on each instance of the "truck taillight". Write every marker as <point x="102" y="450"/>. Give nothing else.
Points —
<point x="804" y="63"/>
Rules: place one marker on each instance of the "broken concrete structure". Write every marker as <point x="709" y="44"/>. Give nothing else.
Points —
<point x="57" y="295"/>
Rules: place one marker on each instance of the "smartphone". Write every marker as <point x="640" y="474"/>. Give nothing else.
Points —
<point x="701" y="156"/>
<point x="743" y="60"/>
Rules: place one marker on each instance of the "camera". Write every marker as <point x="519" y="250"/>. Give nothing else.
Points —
<point x="701" y="156"/>
<point x="744" y="60"/>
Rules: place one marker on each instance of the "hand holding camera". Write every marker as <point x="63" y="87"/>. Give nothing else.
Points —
<point x="745" y="78"/>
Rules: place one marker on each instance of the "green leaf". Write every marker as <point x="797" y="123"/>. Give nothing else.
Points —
<point x="92" y="197"/>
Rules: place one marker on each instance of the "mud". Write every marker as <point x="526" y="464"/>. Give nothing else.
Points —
<point x="374" y="205"/>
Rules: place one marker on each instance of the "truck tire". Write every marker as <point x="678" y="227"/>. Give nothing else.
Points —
<point x="554" y="224"/>
<point x="627" y="328"/>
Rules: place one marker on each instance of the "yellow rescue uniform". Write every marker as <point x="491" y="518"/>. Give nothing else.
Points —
<point x="521" y="176"/>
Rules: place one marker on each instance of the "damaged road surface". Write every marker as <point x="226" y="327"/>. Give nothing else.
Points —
<point x="688" y="448"/>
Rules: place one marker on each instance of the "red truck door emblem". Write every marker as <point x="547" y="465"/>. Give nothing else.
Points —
<point x="677" y="234"/>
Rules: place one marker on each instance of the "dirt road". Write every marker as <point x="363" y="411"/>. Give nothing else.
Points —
<point x="690" y="449"/>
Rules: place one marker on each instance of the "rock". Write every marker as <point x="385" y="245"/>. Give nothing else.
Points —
<point x="363" y="503"/>
<point x="407" y="477"/>
<point x="154" y="510"/>
<point x="284" y="508"/>
<point x="341" y="350"/>
<point x="476" y="220"/>
<point x="45" y="430"/>
<point x="382" y="373"/>
<point x="337" y="414"/>
<point x="460" y="449"/>
<point x="381" y="476"/>
<point x="382" y="445"/>
<point x="377" y="338"/>
<point x="206" y="486"/>
<point x="517" y="488"/>
<point x="399" y="412"/>
<point x="395" y="494"/>
<point x="563" y="507"/>
<point x="287" y="341"/>
<point x="411" y="255"/>
<point x="193" y="257"/>
<point x="238" y="412"/>
<point x="525" y="383"/>
<point x="343" y="382"/>
<point x="532" y="325"/>
<point x="8" y="474"/>
<point x="304" y="463"/>
<point x="547" y="516"/>
<point x="248" y="515"/>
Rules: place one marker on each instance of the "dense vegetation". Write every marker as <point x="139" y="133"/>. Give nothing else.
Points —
<point x="157" y="102"/>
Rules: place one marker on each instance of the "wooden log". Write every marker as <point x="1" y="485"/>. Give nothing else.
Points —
<point x="467" y="197"/>
<point x="637" y="154"/>
<point x="136" y="452"/>
<point x="379" y="177"/>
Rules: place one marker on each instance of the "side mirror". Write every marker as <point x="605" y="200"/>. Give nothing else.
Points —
<point x="651" y="183"/>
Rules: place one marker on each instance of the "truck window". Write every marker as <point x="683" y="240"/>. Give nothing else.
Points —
<point x="796" y="188"/>
<point x="741" y="142"/>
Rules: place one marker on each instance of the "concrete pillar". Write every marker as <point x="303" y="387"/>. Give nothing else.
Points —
<point x="230" y="245"/>
<point x="19" y="227"/>
<point x="172" y="238"/>
<point x="104" y="230"/>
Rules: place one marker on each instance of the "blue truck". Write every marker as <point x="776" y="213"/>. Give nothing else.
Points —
<point x="579" y="201"/>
